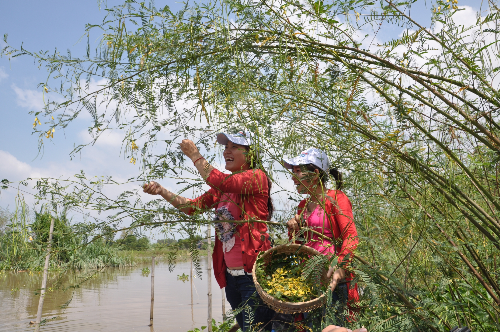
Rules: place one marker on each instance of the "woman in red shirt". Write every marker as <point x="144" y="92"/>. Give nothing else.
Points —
<point x="328" y="212"/>
<point x="242" y="195"/>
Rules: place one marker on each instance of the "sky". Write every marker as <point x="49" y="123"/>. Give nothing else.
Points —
<point x="47" y="25"/>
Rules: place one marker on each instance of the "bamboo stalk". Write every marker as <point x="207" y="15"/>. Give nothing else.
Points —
<point x="44" y="279"/>
<point x="223" y="305"/>
<point x="152" y="290"/>
<point x="191" y="279"/>
<point x="209" y="278"/>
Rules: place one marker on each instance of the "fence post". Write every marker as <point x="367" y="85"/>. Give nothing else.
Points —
<point x="223" y="305"/>
<point x="152" y="290"/>
<point x="209" y="278"/>
<point x="44" y="279"/>
<point x="191" y="278"/>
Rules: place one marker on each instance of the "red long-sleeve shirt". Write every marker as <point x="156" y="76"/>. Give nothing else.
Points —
<point x="249" y="191"/>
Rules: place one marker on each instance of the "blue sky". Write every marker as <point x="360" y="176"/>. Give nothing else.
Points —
<point x="47" y="25"/>
<point x="50" y="24"/>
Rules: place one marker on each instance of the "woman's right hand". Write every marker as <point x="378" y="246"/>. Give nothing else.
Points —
<point x="293" y="224"/>
<point x="334" y="328"/>
<point x="152" y="188"/>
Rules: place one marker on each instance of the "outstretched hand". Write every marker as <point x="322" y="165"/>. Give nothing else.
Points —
<point x="333" y="328"/>
<point x="152" y="188"/>
<point x="189" y="148"/>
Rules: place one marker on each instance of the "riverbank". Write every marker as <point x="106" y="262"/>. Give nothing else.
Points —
<point x="162" y="255"/>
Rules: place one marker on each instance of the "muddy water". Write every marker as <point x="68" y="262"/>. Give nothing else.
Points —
<point x="111" y="300"/>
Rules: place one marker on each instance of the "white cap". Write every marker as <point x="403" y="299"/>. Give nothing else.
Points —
<point x="310" y="156"/>
<point x="241" y="138"/>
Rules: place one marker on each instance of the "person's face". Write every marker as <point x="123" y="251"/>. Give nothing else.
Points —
<point x="305" y="180"/>
<point x="235" y="156"/>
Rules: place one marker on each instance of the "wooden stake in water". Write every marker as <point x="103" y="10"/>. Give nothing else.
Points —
<point x="209" y="278"/>
<point x="223" y="305"/>
<point x="44" y="279"/>
<point x="152" y="290"/>
<point x="191" y="278"/>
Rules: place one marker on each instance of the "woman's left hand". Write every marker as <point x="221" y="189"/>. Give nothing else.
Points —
<point x="189" y="149"/>
<point x="338" y="275"/>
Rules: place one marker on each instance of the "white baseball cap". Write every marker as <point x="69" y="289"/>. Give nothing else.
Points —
<point x="310" y="156"/>
<point x="241" y="138"/>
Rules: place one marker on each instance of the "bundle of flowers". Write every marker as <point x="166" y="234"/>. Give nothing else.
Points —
<point x="285" y="285"/>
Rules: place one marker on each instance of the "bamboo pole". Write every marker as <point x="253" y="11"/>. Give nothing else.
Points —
<point x="152" y="290"/>
<point x="191" y="279"/>
<point x="44" y="279"/>
<point x="223" y="305"/>
<point x="209" y="278"/>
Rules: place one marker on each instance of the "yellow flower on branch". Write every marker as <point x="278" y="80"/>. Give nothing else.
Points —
<point x="36" y="122"/>
<point x="133" y="160"/>
<point x="134" y="146"/>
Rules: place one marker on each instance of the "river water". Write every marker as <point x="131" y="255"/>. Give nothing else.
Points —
<point x="114" y="299"/>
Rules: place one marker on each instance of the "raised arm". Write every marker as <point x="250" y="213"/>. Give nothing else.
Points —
<point x="192" y="152"/>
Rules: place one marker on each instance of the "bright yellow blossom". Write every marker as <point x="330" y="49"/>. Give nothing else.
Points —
<point x="290" y="288"/>
<point x="36" y="122"/>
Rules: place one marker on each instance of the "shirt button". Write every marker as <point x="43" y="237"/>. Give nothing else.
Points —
<point x="242" y="252"/>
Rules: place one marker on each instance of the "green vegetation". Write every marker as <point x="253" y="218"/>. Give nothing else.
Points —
<point x="412" y="118"/>
<point x="217" y="327"/>
<point x="23" y="243"/>
<point x="130" y="242"/>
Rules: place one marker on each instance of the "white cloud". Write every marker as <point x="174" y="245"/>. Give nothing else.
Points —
<point x="3" y="74"/>
<point x="14" y="169"/>
<point x="31" y="99"/>
<point x="467" y="17"/>
<point x="106" y="139"/>
<point x="11" y="168"/>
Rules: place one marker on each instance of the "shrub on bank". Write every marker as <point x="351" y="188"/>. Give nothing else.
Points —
<point x="131" y="242"/>
<point x="23" y="244"/>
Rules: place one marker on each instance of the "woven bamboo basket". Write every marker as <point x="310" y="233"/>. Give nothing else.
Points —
<point x="282" y="306"/>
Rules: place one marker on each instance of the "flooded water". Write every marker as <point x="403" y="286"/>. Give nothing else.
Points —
<point x="111" y="300"/>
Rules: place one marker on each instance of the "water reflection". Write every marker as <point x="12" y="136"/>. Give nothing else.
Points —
<point x="116" y="299"/>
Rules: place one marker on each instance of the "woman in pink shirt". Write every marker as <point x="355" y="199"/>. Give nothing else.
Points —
<point x="329" y="213"/>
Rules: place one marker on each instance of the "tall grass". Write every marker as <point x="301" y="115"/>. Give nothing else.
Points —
<point x="23" y="243"/>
